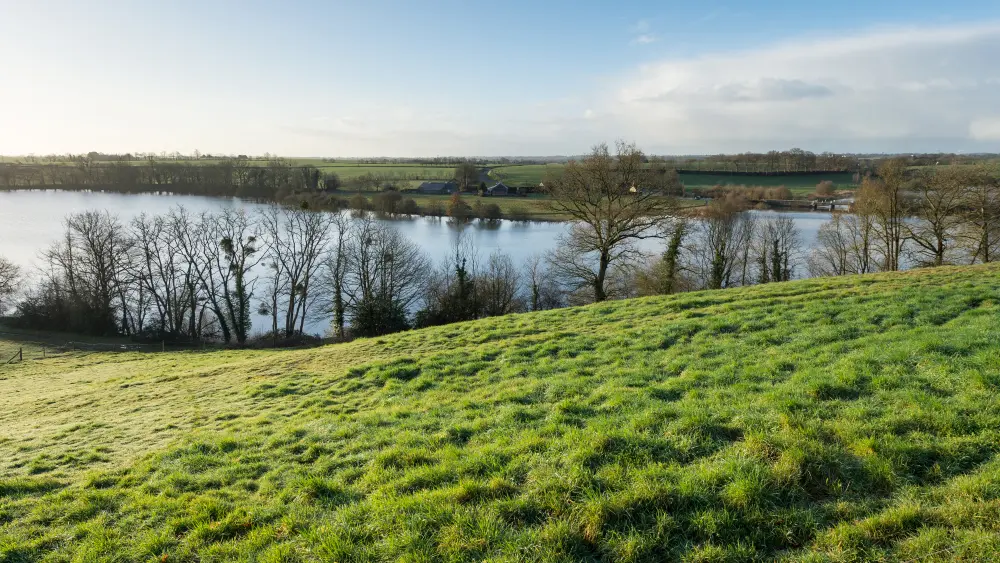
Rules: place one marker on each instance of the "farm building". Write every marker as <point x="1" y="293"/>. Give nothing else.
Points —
<point x="437" y="188"/>
<point x="500" y="189"/>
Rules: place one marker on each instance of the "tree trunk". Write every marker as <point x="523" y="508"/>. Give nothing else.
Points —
<point x="602" y="272"/>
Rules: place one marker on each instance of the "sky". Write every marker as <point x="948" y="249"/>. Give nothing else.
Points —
<point x="424" y="78"/>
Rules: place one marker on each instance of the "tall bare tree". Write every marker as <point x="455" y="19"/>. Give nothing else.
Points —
<point x="980" y="230"/>
<point x="162" y="273"/>
<point x="499" y="286"/>
<point x="615" y="200"/>
<point x="186" y="232"/>
<point x="298" y="242"/>
<point x="723" y="247"/>
<point x="885" y="198"/>
<point x="385" y="278"/>
<point x="778" y="247"/>
<point x="937" y="214"/>
<point x="10" y="277"/>
<point x="544" y="288"/>
<point x="337" y="269"/>
<point x="664" y="276"/>
<point x="232" y="247"/>
<point x="92" y="266"/>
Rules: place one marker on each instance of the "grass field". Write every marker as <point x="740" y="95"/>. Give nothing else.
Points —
<point x="402" y="171"/>
<point x="843" y="419"/>
<point x="532" y="174"/>
<point x="526" y="174"/>
<point x="804" y="183"/>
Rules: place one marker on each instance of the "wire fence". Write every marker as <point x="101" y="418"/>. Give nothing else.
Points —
<point x="15" y="352"/>
<point x="18" y="348"/>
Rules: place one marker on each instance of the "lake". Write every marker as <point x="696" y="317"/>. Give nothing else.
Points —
<point x="30" y="221"/>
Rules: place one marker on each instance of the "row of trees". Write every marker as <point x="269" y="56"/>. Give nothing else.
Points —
<point x="230" y="176"/>
<point x="185" y="277"/>
<point x="773" y="162"/>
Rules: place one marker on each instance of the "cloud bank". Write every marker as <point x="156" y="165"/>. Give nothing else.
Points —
<point x="887" y="90"/>
<point x="891" y="89"/>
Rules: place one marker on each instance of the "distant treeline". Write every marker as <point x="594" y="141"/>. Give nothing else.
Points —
<point x="706" y="172"/>
<point x="227" y="177"/>
<point x="798" y="161"/>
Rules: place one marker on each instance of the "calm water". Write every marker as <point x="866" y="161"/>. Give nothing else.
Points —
<point x="30" y="221"/>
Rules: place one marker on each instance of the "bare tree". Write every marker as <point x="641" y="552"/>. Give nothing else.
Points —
<point x="186" y="232"/>
<point x="90" y="263"/>
<point x="499" y="286"/>
<point x="615" y="201"/>
<point x="10" y="278"/>
<point x="665" y="275"/>
<point x="545" y="291"/>
<point x="980" y="230"/>
<point x="884" y="197"/>
<point x="937" y="215"/>
<point x="832" y="253"/>
<point x="778" y="247"/>
<point x="385" y="278"/>
<point x="844" y="245"/>
<point x="298" y="242"/>
<point x="452" y="291"/>
<point x="163" y="275"/>
<point x="337" y="265"/>
<point x="231" y="246"/>
<point x="722" y="248"/>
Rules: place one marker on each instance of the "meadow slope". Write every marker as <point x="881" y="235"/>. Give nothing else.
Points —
<point x="852" y="418"/>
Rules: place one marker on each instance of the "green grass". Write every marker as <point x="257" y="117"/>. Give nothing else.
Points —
<point x="527" y="174"/>
<point x="404" y="171"/>
<point x="800" y="184"/>
<point x="843" y="419"/>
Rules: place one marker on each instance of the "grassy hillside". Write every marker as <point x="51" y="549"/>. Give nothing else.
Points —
<point x="853" y="418"/>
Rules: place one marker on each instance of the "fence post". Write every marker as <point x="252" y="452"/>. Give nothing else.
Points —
<point x="163" y="346"/>
<point x="20" y="354"/>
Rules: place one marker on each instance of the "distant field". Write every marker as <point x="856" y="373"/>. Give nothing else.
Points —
<point x="535" y="173"/>
<point x="527" y="174"/>
<point x="809" y="181"/>
<point x="390" y="171"/>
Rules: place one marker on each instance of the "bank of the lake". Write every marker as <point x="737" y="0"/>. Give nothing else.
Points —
<point x="31" y="221"/>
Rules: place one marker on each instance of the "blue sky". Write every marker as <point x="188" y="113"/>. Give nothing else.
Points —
<point x="375" y="78"/>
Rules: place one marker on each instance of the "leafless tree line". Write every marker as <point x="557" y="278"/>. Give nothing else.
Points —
<point x="183" y="277"/>
<point x="949" y="215"/>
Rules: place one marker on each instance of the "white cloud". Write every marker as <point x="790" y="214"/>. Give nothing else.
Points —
<point x="645" y="39"/>
<point x="900" y="89"/>
<point x="642" y="33"/>
<point x="985" y="129"/>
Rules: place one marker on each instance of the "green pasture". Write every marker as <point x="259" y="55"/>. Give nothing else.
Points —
<point x="844" y="419"/>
